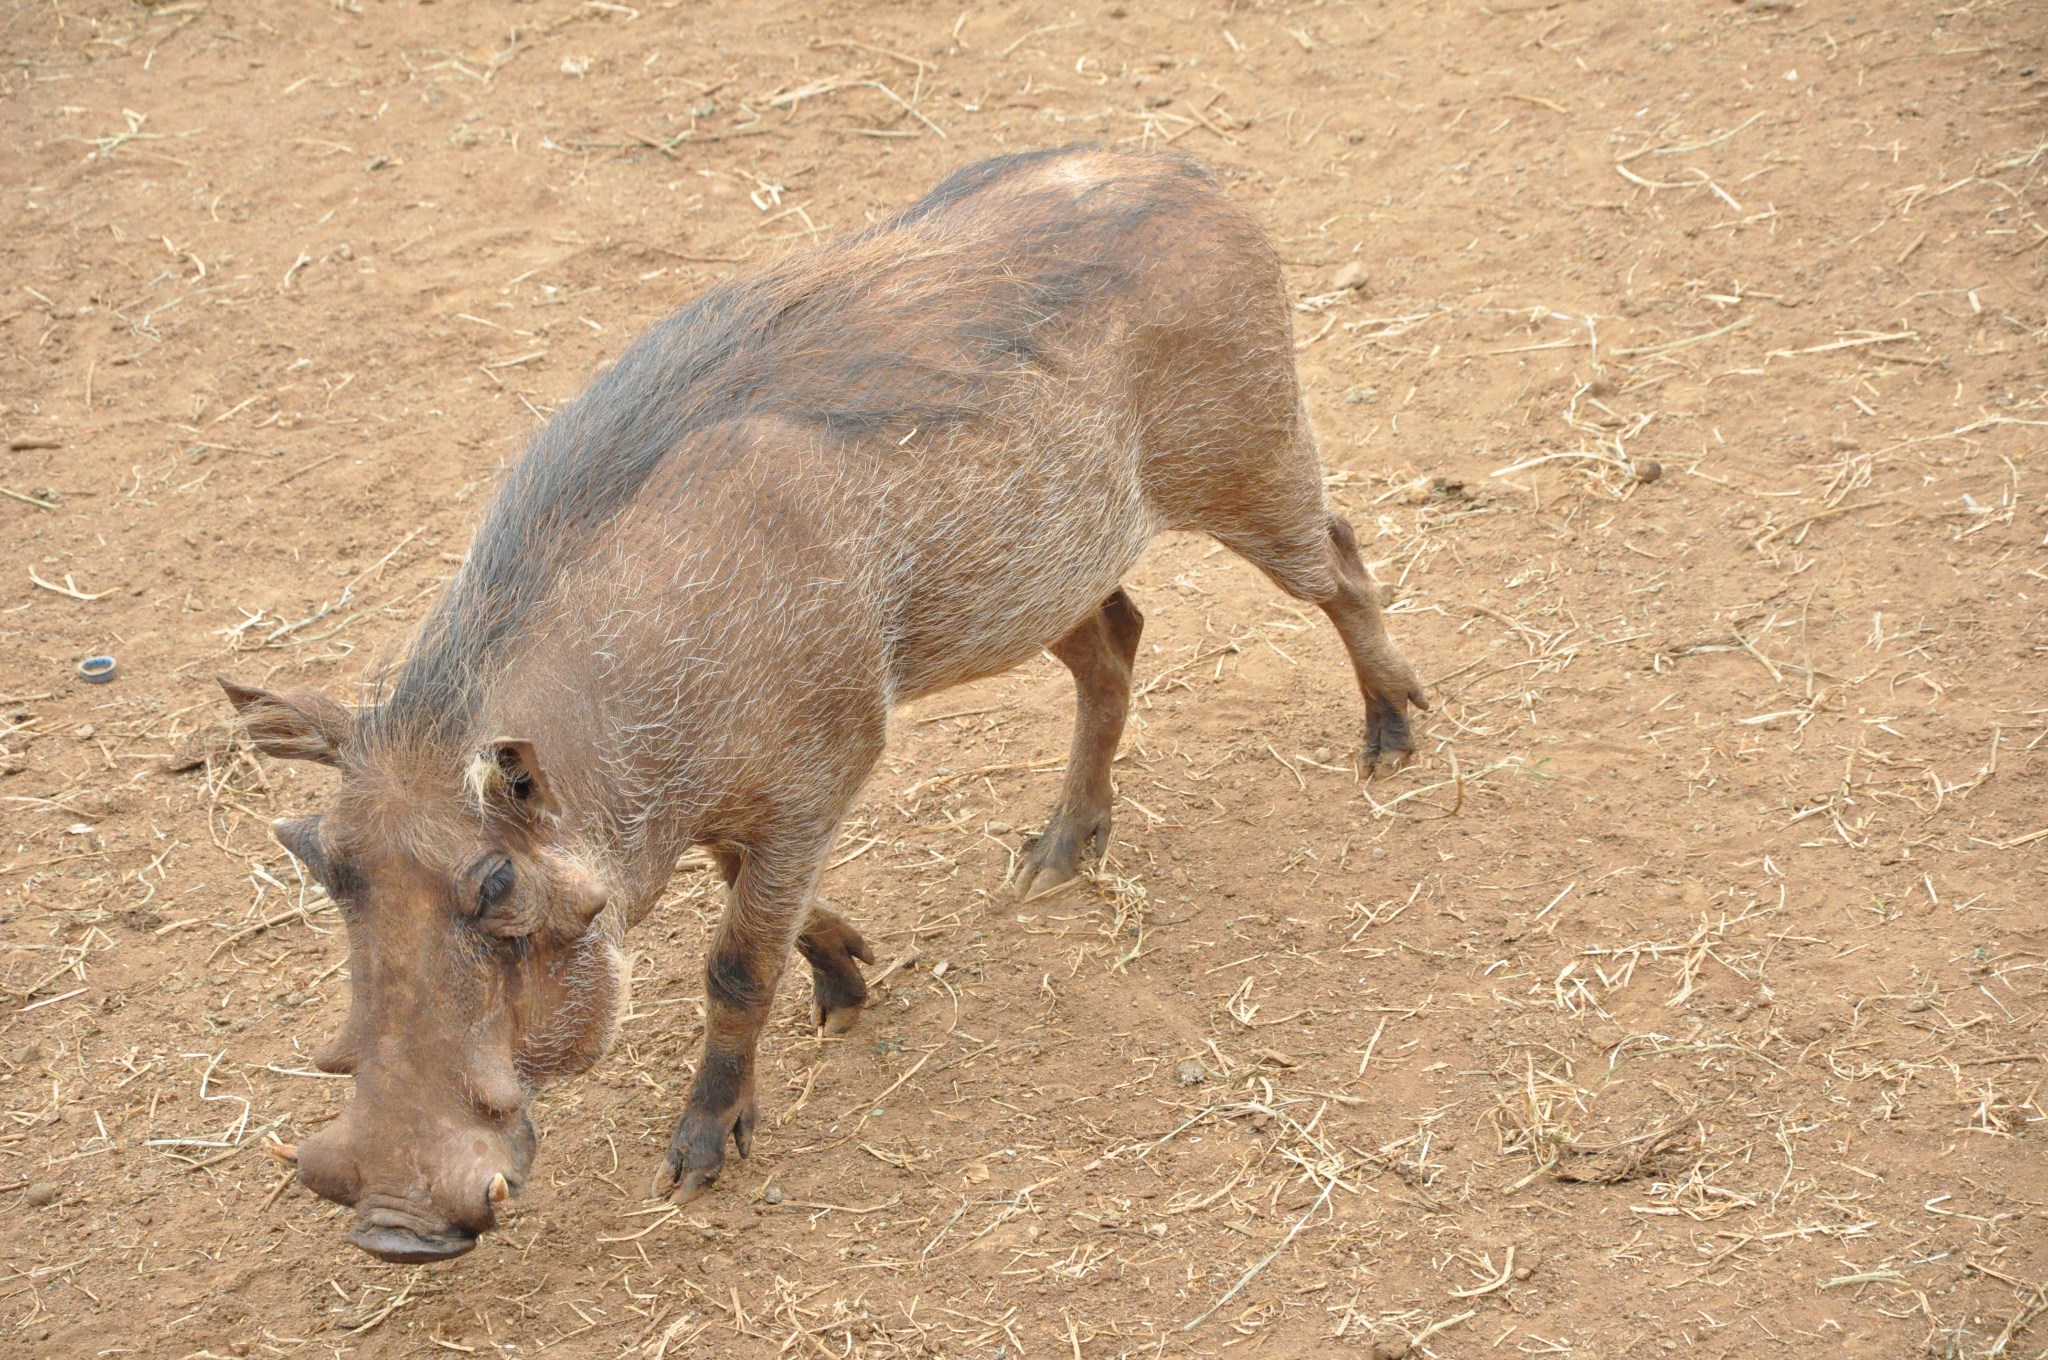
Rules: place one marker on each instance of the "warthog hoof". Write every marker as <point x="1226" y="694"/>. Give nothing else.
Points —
<point x="1073" y="841"/>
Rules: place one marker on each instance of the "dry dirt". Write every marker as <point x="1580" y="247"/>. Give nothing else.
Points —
<point x="1685" y="997"/>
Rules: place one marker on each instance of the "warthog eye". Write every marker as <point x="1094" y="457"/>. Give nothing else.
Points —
<point x="496" y="886"/>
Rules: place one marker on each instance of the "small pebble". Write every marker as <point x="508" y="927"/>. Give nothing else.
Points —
<point x="1390" y="1348"/>
<point x="43" y="1194"/>
<point x="1350" y="276"/>
<point x="773" y="1194"/>
<point x="1649" y="470"/>
<point x="999" y="828"/>
<point x="1190" y="1072"/>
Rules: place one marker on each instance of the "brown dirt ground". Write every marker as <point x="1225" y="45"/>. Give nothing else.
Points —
<point x="1686" y="997"/>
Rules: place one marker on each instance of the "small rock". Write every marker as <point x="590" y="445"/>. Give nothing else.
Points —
<point x="43" y="1194"/>
<point x="773" y="1194"/>
<point x="1322" y="755"/>
<point x="1350" y="277"/>
<point x="84" y="732"/>
<point x="1000" y="828"/>
<point x="576" y="66"/>
<point x="1649" y="470"/>
<point x="1390" y="1348"/>
<point x="1190" y="1072"/>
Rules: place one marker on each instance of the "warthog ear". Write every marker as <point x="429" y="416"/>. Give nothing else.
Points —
<point x="300" y="725"/>
<point x="525" y="786"/>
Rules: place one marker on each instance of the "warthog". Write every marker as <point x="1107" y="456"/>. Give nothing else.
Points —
<point x="901" y="461"/>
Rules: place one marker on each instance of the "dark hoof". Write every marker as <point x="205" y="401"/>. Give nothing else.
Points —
<point x="690" y="1186"/>
<point x="1389" y="741"/>
<point x="838" y="991"/>
<point x="1056" y="858"/>
<point x="696" y="1154"/>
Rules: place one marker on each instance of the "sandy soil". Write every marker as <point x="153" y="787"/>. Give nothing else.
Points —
<point x="1685" y="998"/>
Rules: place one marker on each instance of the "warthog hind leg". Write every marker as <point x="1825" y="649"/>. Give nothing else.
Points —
<point x="1385" y="678"/>
<point x="1312" y="554"/>
<point x="1100" y="652"/>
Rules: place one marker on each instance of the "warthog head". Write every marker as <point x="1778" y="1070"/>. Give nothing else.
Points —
<point x="483" y="964"/>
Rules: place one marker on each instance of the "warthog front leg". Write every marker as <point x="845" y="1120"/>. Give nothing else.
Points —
<point x="768" y="897"/>
<point x="838" y="991"/>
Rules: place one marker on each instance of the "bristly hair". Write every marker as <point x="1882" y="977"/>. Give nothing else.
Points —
<point x="915" y="322"/>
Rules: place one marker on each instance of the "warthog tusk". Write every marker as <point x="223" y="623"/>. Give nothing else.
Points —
<point x="284" y="1152"/>
<point x="501" y="1189"/>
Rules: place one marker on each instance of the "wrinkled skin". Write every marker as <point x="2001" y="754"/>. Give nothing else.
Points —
<point x="483" y="965"/>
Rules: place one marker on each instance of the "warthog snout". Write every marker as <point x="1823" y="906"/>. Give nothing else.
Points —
<point x="426" y="1196"/>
